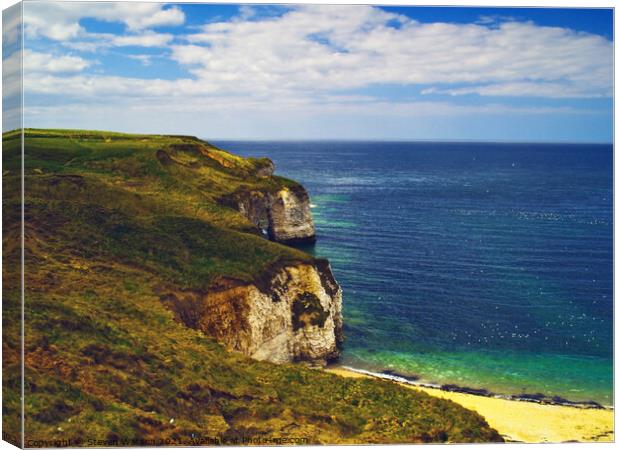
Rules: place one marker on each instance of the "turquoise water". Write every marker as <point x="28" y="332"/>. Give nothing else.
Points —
<point x="483" y="265"/>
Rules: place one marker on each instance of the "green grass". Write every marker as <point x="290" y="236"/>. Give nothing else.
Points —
<point x="115" y="222"/>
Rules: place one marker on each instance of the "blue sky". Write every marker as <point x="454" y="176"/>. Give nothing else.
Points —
<point x="318" y="72"/>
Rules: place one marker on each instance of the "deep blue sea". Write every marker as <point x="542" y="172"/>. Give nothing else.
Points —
<point x="486" y="265"/>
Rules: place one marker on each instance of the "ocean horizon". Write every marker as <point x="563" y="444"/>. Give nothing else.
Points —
<point x="225" y="140"/>
<point x="486" y="265"/>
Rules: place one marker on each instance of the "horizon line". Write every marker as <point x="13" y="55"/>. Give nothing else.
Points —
<point x="293" y="139"/>
<point x="434" y="140"/>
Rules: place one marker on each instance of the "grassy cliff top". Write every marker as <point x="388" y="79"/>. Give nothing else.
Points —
<point x="128" y="196"/>
<point x="112" y="221"/>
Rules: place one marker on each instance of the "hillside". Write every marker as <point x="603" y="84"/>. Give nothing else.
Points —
<point x="138" y="249"/>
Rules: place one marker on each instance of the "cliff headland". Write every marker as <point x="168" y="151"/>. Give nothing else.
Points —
<point x="160" y="295"/>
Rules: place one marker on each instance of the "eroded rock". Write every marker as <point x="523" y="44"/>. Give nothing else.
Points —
<point x="293" y="314"/>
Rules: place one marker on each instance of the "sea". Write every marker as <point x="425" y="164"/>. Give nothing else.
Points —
<point x="482" y="265"/>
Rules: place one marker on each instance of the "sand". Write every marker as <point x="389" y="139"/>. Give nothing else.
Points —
<point x="520" y="421"/>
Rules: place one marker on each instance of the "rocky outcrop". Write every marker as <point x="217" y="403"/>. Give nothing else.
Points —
<point x="283" y="216"/>
<point x="254" y="205"/>
<point x="265" y="168"/>
<point x="293" y="313"/>
<point x="290" y="219"/>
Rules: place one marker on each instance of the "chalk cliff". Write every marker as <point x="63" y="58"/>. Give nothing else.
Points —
<point x="290" y="220"/>
<point x="292" y="313"/>
<point x="283" y="215"/>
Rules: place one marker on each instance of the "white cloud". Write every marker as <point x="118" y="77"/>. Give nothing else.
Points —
<point x="300" y="66"/>
<point x="319" y="48"/>
<point x="495" y="19"/>
<point x="191" y="54"/>
<point x="111" y="88"/>
<point x="146" y="39"/>
<point x="35" y="65"/>
<point x="36" y="62"/>
<point x="11" y="68"/>
<point x="246" y="12"/>
<point x="60" y="20"/>
<point x="145" y="60"/>
<point x="139" y="16"/>
<point x="93" y="42"/>
<point x="12" y="77"/>
<point x="186" y="95"/>
<point x="154" y="103"/>
<point x="314" y="49"/>
<point x="11" y="25"/>
<point x="541" y="89"/>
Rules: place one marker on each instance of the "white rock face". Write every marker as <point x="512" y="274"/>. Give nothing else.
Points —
<point x="290" y="218"/>
<point x="283" y="216"/>
<point x="296" y="316"/>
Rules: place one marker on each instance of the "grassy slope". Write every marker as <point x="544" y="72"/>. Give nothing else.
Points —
<point x="111" y="224"/>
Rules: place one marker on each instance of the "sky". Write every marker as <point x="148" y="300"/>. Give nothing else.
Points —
<point x="313" y="71"/>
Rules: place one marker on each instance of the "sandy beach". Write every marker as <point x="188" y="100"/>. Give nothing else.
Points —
<point x="520" y="421"/>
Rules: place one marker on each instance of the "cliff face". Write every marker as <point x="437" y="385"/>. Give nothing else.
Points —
<point x="293" y="313"/>
<point x="290" y="220"/>
<point x="283" y="216"/>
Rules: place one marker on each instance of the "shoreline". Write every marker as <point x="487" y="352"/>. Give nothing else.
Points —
<point x="517" y="420"/>
<point x="531" y="398"/>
